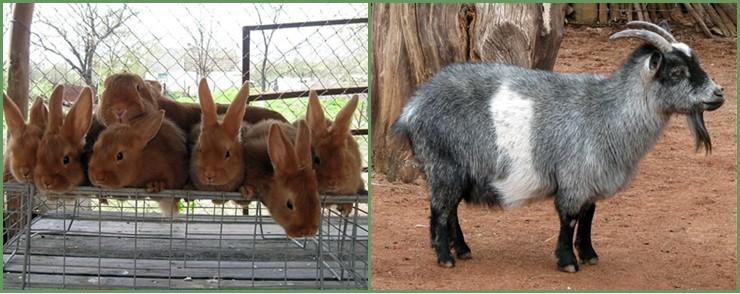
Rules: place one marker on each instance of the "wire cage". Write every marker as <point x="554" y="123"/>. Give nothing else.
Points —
<point x="103" y="239"/>
<point x="82" y="242"/>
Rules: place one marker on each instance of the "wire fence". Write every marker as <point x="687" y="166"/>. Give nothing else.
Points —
<point x="81" y="44"/>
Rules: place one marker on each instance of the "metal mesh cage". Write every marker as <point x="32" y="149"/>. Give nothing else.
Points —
<point x="82" y="242"/>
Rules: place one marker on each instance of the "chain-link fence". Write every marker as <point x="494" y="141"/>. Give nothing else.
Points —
<point x="81" y="44"/>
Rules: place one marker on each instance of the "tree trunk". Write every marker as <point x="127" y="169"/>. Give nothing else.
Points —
<point x="412" y="42"/>
<point x="18" y="73"/>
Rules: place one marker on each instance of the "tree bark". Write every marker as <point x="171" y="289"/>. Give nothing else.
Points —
<point x="412" y="42"/>
<point x="18" y="73"/>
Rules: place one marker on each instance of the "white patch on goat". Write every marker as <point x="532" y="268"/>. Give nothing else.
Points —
<point x="573" y="223"/>
<point x="546" y="17"/>
<point x="512" y="116"/>
<point x="682" y="47"/>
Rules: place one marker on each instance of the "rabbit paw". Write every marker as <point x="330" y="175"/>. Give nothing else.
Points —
<point x="248" y="192"/>
<point x="344" y="209"/>
<point x="155" y="186"/>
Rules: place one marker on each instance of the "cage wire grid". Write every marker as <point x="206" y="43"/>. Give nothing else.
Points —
<point x="80" y="241"/>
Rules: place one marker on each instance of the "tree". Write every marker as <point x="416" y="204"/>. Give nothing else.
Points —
<point x="81" y="34"/>
<point x="200" y="49"/>
<point x="266" y="40"/>
<point x="411" y="42"/>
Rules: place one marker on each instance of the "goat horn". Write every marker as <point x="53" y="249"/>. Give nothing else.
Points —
<point x="652" y="38"/>
<point x="637" y="24"/>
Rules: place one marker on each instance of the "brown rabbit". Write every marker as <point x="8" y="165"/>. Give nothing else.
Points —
<point x="20" y="151"/>
<point x="59" y="157"/>
<point x="148" y="152"/>
<point x="127" y="96"/>
<point x="282" y="175"/>
<point x="339" y="169"/>
<point x="216" y="162"/>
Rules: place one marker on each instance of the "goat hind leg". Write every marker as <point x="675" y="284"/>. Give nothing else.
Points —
<point x="461" y="248"/>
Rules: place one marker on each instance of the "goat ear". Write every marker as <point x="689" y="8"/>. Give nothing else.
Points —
<point x="655" y="61"/>
<point x="79" y="118"/>
<point x="39" y="114"/>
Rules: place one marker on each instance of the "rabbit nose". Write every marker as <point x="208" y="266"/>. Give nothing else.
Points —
<point x="25" y="172"/>
<point x="99" y="177"/>
<point x="210" y="176"/>
<point x="119" y="113"/>
<point x="47" y="182"/>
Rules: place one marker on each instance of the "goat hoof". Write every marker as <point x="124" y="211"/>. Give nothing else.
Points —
<point x="569" y="268"/>
<point x="446" y="264"/>
<point x="464" y="255"/>
<point x="591" y="261"/>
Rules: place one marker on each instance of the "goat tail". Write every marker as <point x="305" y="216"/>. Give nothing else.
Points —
<point x="400" y="128"/>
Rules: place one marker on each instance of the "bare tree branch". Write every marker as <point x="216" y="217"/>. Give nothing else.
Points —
<point x="90" y="29"/>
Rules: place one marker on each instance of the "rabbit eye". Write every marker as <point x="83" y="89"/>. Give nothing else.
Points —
<point x="119" y="156"/>
<point x="289" y="205"/>
<point x="139" y="88"/>
<point x="65" y="160"/>
<point x="227" y="154"/>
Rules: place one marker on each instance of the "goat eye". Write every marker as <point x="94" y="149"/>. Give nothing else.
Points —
<point x="316" y="162"/>
<point x="677" y="73"/>
<point x="119" y="156"/>
<point x="289" y="204"/>
<point x="65" y="160"/>
<point x="227" y="154"/>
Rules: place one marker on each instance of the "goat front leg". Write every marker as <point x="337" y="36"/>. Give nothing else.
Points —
<point x="583" y="236"/>
<point x="567" y="261"/>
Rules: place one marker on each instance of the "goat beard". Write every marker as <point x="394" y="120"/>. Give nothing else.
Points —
<point x="699" y="130"/>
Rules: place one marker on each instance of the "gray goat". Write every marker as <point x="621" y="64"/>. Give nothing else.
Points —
<point x="503" y="135"/>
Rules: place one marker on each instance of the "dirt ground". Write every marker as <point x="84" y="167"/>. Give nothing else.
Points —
<point x="673" y="228"/>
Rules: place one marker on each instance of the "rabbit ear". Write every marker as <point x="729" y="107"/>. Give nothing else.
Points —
<point x="13" y="117"/>
<point x="314" y="114"/>
<point x="79" y="118"/>
<point x="233" y="119"/>
<point x="303" y="145"/>
<point x="207" y="107"/>
<point x="148" y="126"/>
<point x="281" y="151"/>
<point x="56" y="116"/>
<point x="39" y="114"/>
<point x="343" y="122"/>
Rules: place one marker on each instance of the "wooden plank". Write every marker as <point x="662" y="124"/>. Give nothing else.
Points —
<point x="13" y="280"/>
<point x="603" y="13"/>
<point x="205" y="230"/>
<point x="585" y="13"/>
<point x="178" y="269"/>
<point x="200" y="249"/>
